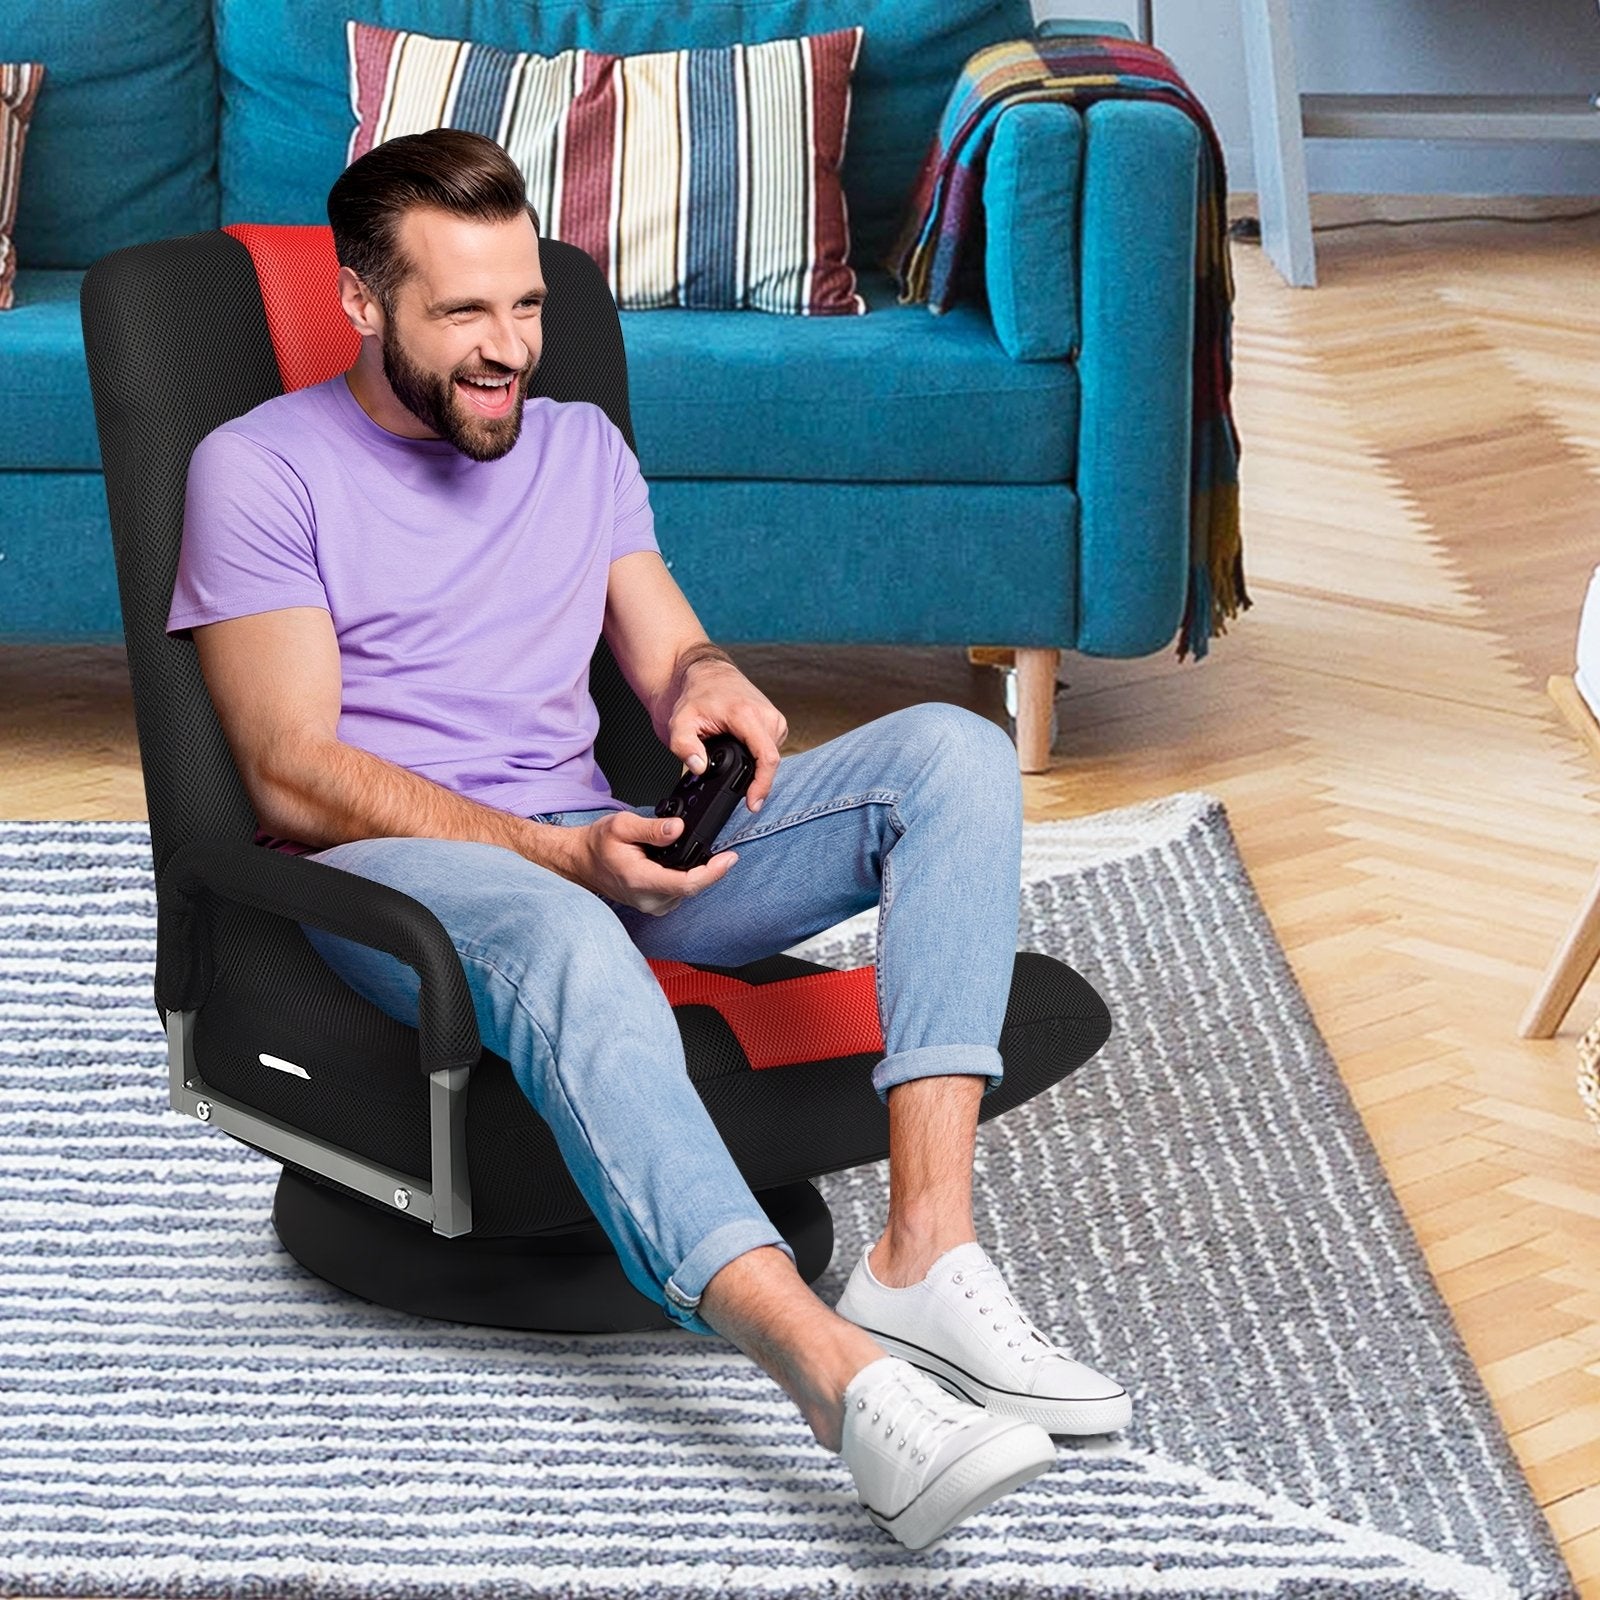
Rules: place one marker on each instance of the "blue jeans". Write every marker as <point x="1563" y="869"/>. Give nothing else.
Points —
<point x="918" y="812"/>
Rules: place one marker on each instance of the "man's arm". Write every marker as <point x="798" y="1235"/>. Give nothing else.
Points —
<point x="653" y="632"/>
<point x="689" y="686"/>
<point x="274" y="679"/>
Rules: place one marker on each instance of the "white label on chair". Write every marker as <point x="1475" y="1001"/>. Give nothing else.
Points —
<point x="284" y="1066"/>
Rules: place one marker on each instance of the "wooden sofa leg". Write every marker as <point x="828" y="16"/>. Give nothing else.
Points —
<point x="1036" y="698"/>
<point x="991" y="655"/>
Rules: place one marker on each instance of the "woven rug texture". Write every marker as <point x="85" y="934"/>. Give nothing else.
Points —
<point x="1198" y="1211"/>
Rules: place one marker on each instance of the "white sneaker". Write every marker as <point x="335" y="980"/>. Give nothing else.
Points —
<point x="961" y="1327"/>
<point x="921" y="1460"/>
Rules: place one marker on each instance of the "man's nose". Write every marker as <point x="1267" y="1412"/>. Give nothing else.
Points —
<point x="505" y="346"/>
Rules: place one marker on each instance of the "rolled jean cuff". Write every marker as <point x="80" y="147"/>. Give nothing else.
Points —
<point x="937" y="1061"/>
<point x="685" y="1287"/>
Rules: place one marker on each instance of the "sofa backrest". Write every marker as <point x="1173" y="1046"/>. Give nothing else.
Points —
<point x="123" y="145"/>
<point x="287" y="118"/>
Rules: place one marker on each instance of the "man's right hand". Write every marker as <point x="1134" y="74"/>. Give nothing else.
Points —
<point x="607" y="856"/>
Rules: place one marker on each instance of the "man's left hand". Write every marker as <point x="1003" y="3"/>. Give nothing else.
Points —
<point x="716" y="697"/>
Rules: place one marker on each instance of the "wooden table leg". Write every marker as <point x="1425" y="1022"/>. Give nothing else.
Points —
<point x="1277" y="140"/>
<point x="1573" y="963"/>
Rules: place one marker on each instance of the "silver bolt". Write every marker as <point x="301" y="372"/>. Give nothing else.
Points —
<point x="402" y="1198"/>
<point x="202" y="1109"/>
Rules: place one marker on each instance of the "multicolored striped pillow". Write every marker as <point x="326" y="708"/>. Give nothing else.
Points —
<point x="19" y="89"/>
<point x="706" y="178"/>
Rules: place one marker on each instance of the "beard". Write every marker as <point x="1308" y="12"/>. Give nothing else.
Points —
<point x="433" y="401"/>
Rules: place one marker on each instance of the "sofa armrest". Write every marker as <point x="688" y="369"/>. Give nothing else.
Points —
<point x="1089" y="256"/>
<point x="1030" y="203"/>
<point x="341" y="903"/>
<point x="1136" y="246"/>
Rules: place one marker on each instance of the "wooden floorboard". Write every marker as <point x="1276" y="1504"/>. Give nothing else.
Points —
<point x="1420" y="482"/>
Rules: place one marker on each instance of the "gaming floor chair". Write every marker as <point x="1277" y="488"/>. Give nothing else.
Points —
<point x="415" y="1173"/>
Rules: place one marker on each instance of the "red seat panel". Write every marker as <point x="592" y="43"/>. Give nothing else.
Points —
<point x="817" y="1017"/>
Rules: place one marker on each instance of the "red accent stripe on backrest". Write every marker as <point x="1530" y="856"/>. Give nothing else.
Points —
<point x="817" y="1017"/>
<point x="299" y="276"/>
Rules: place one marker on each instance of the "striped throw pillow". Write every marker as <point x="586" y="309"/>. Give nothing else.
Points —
<point x="706" y="178"/>
<point x="19" y="89"/>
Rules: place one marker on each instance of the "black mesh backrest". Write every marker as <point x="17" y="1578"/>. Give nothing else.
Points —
<point x="177" y="344"/>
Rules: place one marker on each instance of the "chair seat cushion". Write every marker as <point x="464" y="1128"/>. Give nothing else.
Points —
<point x="812" y="1016"/>
<point x="818" y="1114"/>
<point x="896" y="396"/>
<point x="46" y="411"/>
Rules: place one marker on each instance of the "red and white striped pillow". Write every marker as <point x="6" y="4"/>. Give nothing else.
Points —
<point x="19" y="89"/>
<point x="705" y="178"/>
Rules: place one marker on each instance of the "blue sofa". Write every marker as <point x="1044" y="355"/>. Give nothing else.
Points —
<point x="1012" y="473"/>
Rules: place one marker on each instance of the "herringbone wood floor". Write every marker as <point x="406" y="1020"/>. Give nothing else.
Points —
<point x="1421" y="479"/>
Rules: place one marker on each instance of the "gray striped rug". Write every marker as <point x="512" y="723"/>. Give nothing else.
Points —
<point x="184" y="1411"/>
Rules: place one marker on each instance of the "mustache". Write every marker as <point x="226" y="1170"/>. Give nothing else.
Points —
<point x="498" y="372"/>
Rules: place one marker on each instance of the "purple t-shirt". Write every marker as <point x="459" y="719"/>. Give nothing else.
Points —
<point x="467" y="596"/>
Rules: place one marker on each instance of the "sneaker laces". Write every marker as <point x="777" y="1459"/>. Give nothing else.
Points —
<point x="909" y="1416"/>
<point x="986" y="1285"/>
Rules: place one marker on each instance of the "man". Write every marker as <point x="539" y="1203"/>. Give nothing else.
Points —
<point x="396" y="580"/>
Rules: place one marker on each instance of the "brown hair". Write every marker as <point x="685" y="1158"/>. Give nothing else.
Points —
<point x="447" y="168"/>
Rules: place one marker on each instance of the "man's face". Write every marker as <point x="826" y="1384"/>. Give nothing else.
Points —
<point x="463" y="342"/>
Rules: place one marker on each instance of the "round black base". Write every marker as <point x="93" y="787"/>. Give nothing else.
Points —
<point x="548" y="1283"/>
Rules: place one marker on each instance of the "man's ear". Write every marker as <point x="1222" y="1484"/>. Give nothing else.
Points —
<point x="364" y="312"/>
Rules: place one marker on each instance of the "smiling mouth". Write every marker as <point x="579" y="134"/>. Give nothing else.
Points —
<point x="489" y="397"/>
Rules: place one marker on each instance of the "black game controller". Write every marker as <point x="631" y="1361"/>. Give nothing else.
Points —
<point x="704" y="801"/>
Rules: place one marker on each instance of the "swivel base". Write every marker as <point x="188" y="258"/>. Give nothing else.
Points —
<point x="548" y="1283"/>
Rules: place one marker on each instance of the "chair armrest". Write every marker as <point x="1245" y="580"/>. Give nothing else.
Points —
<point x="342" y="903"/>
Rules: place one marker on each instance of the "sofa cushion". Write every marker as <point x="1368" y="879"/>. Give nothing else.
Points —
<point x="58" y="581"/>
<point x="46" y="411"/>
<point x="124" y="141"/>
<point x="714" y="394"/>
<point x="868" y="563"/>
<point x="897" y="396"/>
<point x="19" y="93"/>
<point x="286" y="115"/>
<point x="702" y="178"/>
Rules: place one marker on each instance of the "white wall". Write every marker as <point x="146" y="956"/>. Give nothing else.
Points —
<point x="1395" y="46"/>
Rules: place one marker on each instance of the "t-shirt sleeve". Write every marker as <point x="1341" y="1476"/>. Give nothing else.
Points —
<point x="248" y="536"/>
<point x="633" y="523"/>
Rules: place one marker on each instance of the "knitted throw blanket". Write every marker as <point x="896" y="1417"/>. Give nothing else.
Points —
<point x="945" y="215"/>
